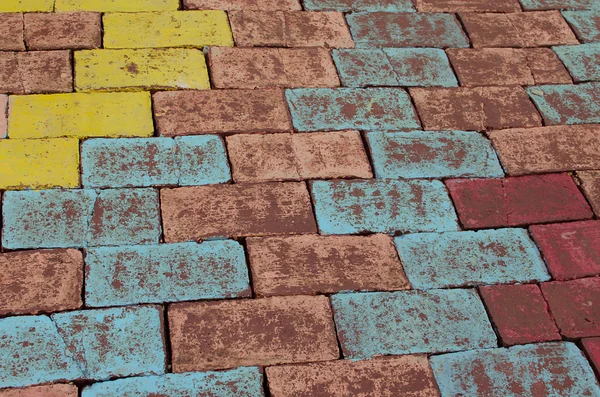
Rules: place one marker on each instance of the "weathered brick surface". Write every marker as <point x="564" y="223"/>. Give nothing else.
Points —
<point x="360" y="5"/>
<point x="115" y="5"/>
<point x="409" y="376"/>
<point x="42" y="391"/>
<point x="590" y="182"/>
<point x="581" y="61"/>
<point x="62" y="30"/>
<point x="11" y="32"/>
<point x="35" y="72"/>
<point x="568" y="103"/>
<point x="260" y="5"/>
<point x="29" y="6"/>
<point x="592" y="349"/>
<point x="268" y="331"/>
<point x="585" y="24"/>
<point x="519" y="313"/>
<point x="558" y="4"/>
<point x="468" y="5"/>
<point x="277" y="157"/>
<point x="313" y="264"/>
<point x="546" y="67"/>
<point x="192" y="213"/>
<point x="3" y="115"/>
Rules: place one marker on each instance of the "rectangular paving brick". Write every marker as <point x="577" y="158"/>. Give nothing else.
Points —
<point x="251" y="68"/>
<point x="546" y="67"/>
<point x="386" y="29"/>
<point x="35" y="72"/>
<point x="581" y="61"/>
<point x="40" y="281"/>
<point x="80" y="115"/>
<point x="324" y="109"/>
<point x="62" y="30"/>
<point x="277" y="330"/>
<point x="192" y="213"/>
<point x="42" y="391"/>
<point x="360" y="5"/>
<point x="468" y="5"/>
<point x="382" y="206"/>
<point x="206" y="112"/>
<point x="394" y="67"/>
<point x="592" y="349"/>
<point x="558" y="4"/>
<point x="390" y="323"/>
<point x="460" y="259"/>
<point x="11" y="32"/>
<point x="408" y="376"/>
<point x="277" y="157"/>
<point x="165" y="273"/>
<point x="115" y="5"/>
<point x="177" y="29"/>
<point x="29" y="6"/>
<point x="312" y="264"/>
<point x="590" y="182"/>
<point x="568" y="103"/>
<point x="432" y="154"/>
<point x="514" y="201"/>
<point x="233" y="5"/>
<point x="549" y="369"/>
<point x="585" y="24"/>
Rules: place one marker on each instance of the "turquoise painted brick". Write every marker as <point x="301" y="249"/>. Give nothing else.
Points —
<point x="556" y="369"/>
<point x="32" y="352"/>
<point x="408" y="322"/>
<point x="114" y="342"/>
<point x="582" y="61"/>
<point x="201" y="160"/>
<point x="433" y="154"/>
<point x="382" y="206"/>
<point x="567" y="104"/>
<point x="361" y="67"/>
<point x="324" y="109"/>
<point x="239" y="382"/>
<point x="586" y="24"/>
<point x="530" y="5"/>
<point x="459" y="259"/>
<point x="165" y="273"/>
<point x="359" y="5"/>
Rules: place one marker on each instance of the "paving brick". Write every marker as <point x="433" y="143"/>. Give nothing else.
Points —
<point x="592" y="348"/>
<point x="390" y="323"/>
<point x="27" y="6"/>
<point x="548" y="149"/>
<point x="276" y="157"/>
<point x="42" y="391"/>
<point x="549" y="369"/>
<point x="519" y="314"/>
<point x="35" y="72"/>
<point x="468" y="6"/>
<point x="271" y="67"/>
<point x="585" y="24"/>
<point x="575" y="306"/>
<point x="568" y="103"/>
<point x="239" y="382"/>
<point x="313" y="264"/>
<point x="478" y="108"/>
<point x="277" y="330"/>
<point x="39" y="163"/>
<point x="324" y="109"/>
<point x="520" y="29"/>
<point x="571" y="250"/>
<point x="394" y="67"/>
<point x="460" y="259"/>
<point x="546" y="67"/>
<point x="386" y="29"/>
<point x="514" y="201"/>
<point x="409" y="376"/>
<point x="11" y="32"/>
<point x="192" y="213"/>
<point x="360" y="5"/>
<point x="558" y="4"/>
<point x="205" y="112"/>
<point x="177" y="29"/>
<point x="290" y="29"/>
<point x="77" y="218"/>
<point x="581" y="61"/>
<point x="235" y="5"/>
<point x="115" y="5"/>
<point x="80" y="115"/>
<point x="590" y="182"/>
<point x="62" y="30"/>
<point x="165" y="273"/>
<point x="432" y="154"/>
<point x="114" y="342"/>
<point x="3" y="115"/>
<point x="127" y="162"/>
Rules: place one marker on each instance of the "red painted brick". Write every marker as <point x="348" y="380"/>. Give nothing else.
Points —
<point x="484" y="203"/>
<point x="590" y="182"/>
<point x="271" y="67"/>
<point x="192" y="213"/>
<point x="226" y="334"/>
<point x="210" y="111"/>
<point x="277" y="157"/>
<point x="261" y="5"/>
<point x="592" y="348"/>
<point x="575" y="306"/>
<point x="571" y="250"/>
<point x="35" y="72"/>
<point x="11" y="32"/>
<point x="49" y="31"/>
<point x="40" y="281"/>
<point x="468" y="6"/>
<point x="519" y="313"/>
<point x="406" y="376"/>
<point x="42" y="391"/>
<point x="478" y="109"/>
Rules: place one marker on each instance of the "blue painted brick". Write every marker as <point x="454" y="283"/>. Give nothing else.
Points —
<point x="458" y="259"/>
<point x="359" y="5"/>
<point x="407" y="322"/>
<point x="547" y="369"/>
<point x="382" y="206"/>
<point x="530" y="5"/>
<point x="201" y="160"/>
<point x="433" y="154"/>
<point x="585" y="24"/>
<point x="165" y="273"/>
<point x="323" y="109"/>
<point x="582" y="61"/>
<point x="567" y="104"/>
<point x="361" y="67"/>
<point x="239" y="382"/>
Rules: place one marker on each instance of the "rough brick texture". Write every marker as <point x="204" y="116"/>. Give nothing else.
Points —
<point x="585" y="24"/>
<point x="581" y="61"/>
<point x="360" y="5"/>
<point x="590" y="182"/>
<point x="468" y="5"/>
<point x="592" y="348"/>
<point x="35" y="72"/>
<point x="67" y="30"/>
<point x="11" y="32"/>
<point x="42" y="391"/>
<point x="261" y="5"/>
<point x="568" y="103"/>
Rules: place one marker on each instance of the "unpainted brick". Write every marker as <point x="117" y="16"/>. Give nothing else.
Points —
<point x="42" y="391"/>
<point x="11" y="32"/>
<point x="590" y="182"/>
<point x="35" y="72"/>
<point x="65" y="30"/>
<point x="235" y="5"/>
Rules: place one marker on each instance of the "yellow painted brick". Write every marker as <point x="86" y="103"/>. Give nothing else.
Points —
<point x="116" y="5"/>
<point x="167" y="29"/>
<point x="39" y="163"/>
<point x="159" y="68"/>
<point x="26" y="5"/>
<point x="99" y="114"/>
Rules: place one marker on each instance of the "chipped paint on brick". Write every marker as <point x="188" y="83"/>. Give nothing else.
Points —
<point x="586" y="24"/>
<point x="582" y="61"/>
<point x="360" y="5"/>
<point x="568" y="103"/>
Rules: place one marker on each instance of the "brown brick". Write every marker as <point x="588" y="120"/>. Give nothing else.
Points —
<point x="545" y="67"/>
<point x="590" y="182"/>
<point x="49" y="31"/>
<point x="35" y="72"/>
<point x="40" y="281"/>
<point x="468" y="6"/>
<point x="226" y="334"/>
<point x="229" y="5"/>
<point x="11" y="32"/>
<point x="42" y="391"/>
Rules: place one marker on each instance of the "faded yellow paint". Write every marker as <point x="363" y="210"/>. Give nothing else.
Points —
<point x="116" y="5"/>
<point x="167" y="29"/>
<point x="115" y="114"/>
<point x="26" y="5"/>
<point x="39" y="163"/>
<point x="160" y="68"/>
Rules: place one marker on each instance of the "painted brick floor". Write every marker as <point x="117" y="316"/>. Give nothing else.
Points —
<point x="300" y="198"/>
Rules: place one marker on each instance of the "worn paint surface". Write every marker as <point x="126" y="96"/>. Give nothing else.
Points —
<point x="115" y="5"/>
<point x="567" y="104"/>
<point x="582" y="61"/>
<point x="360" y="5"/>
<point x="586" y="24"/>
<point x="254" y="5"/>
<point x="559" y="4"/>
<point x="26" y="5"/>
